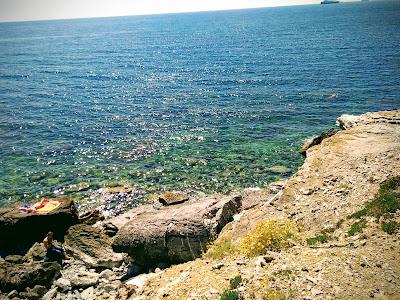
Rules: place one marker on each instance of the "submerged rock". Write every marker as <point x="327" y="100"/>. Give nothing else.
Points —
<point x="177" y="233"/>
<point x="278" y="169"/>
<point x="19" y="231"/>
<point x="93" y="247"/>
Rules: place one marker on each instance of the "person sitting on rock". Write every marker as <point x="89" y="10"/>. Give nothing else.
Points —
<point x="53" y="253"/>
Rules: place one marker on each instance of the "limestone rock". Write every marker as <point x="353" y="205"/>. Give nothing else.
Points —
<point x="19" y="231"/>
<point x="346" y="121"/>
<point x="34" y="293"/>
<point x="14" y="259"/>
<point x="176" y="233"/>
<point x="171" y="198"/>
<point x="88" y="294"/>
<point x="50" y="294"/>
<point x="36" y="253"/>
<point x="125" y="291"/>
<point x="91" y="217"/>
<point x="110" y="229"/>
<point x="20" y="276"/>
<point x="107" y="274"/>
<point x="81" y="278"/>
<point x="316" y="140"/>
<point x="63" y="283"/>
<point x="90" y="245"/>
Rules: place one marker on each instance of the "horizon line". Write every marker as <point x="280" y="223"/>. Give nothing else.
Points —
<point x="163" y="13"/>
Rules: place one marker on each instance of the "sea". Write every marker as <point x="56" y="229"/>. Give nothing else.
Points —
<point x="198" y="102"/>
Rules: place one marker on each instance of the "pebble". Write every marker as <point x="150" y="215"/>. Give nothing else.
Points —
<point x="217" y="266"/>
<point x="63" y="283"/>
<point x="12" y="294"/>
<point x="260" y="262"/>
<point x="107" y="274"/>
<point x="316" y="292"/>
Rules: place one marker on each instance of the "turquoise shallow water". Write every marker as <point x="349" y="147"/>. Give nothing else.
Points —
<point x="198" y="101"/>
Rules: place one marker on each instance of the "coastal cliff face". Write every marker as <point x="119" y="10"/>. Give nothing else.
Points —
<point x="329" y="232"/>
<point x="346" y="256"/>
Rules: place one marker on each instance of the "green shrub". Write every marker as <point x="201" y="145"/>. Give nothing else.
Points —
<point x="359" y="214"/>
<point x="357" y="227"/>
<point x="229" y="295"/>
<point x="235" y="282"/>
<point x="317" y="239"/>
<point x="386" y="202"/>
<point x="328" y="230"/>
<point x="390" y="227"/>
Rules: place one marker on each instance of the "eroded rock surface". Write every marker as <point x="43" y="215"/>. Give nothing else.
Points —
<point x="176" y="233"/>
<point x="90" y="245"/>
<point x="344" y="172"/>
<point x="19" y="231"/>
<point x="20" y="276"/>
<point x="338" y="178"/>
<point x="174" y="197"/>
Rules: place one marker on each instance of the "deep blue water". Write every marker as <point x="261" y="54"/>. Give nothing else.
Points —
<point x="196" y="101"/>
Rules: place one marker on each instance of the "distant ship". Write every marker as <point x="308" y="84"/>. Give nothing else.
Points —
<point x="329" y="2"/>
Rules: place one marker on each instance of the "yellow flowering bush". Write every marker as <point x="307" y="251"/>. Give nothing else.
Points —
<point x="268" y="235"/>
<point x="221" y="247"/>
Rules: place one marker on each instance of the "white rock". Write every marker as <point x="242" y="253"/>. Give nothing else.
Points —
<point x="77" y="295"/>
<point x="12" y="294"/>
<point x="346" y="121"/>
<point x="260" y="262"/>
<point x="63" y="283"/>
<point x="316" y="292"/>
<point x="107" y="274"/>
<point x="69" y="296"/>
<point x="140" y="281"/>
<point x="50" y="294"/>
<point x="88" y="294"/>
<point x="80" y="278"/>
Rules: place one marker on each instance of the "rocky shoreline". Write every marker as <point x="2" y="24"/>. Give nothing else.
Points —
<point x="165" y="246"/>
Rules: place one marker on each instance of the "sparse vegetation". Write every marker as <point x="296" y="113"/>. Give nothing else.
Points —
<point x="329" y="230"/>
<point x="235" y="282"/>
<point x="272" y="234"/>
<point x="284" y="273"/>
<point x="229" y="295"/>
<point x="221" y="247"/>
<point x="390" y="227"/>
<point x="317" y="239"/>
<point x="384" y="205"/>
<point x="359" y="214"/>
<point x="273" y="294"/>
<point x="325" y="235"/>
<point x="357" y="227"/>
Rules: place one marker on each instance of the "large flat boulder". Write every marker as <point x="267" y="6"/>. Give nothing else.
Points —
<point x="175" y="234"/>
<point x="19" y="230"/>
<point x="90" y="245"/>
<point x="20" y="276"/>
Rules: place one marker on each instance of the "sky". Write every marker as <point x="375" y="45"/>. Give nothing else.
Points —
<point x="22" y="10"/>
